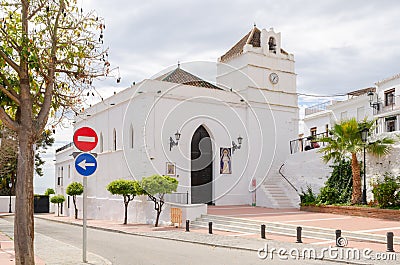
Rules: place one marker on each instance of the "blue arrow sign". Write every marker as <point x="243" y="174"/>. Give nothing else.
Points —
<point x="85" y="164"/>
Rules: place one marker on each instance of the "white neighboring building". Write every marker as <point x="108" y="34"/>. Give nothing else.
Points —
<point x="386" y="104"/>
<point x="378" y="103"/>
<point x="319" y="119"/>
<point x="254" y="99"/>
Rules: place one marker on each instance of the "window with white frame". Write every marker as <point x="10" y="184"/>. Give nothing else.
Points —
<point x="390" y="123"/>
<point x="60" y="176"/>
<point x="101" y="143"/>
<point x="131" y="137"/>
<point x="114" y="140"/>
<point x="389" y="97"/>
<point x="360" y="113"/>
<point x="343" y="115"/>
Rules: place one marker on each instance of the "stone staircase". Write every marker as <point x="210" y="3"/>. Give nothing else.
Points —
<point x="248" y="226"/>
<point x="279" y="193"/>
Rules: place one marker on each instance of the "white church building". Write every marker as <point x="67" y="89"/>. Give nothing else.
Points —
<point x="224" y="141"/>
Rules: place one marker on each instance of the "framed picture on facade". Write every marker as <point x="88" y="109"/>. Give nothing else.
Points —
<point x="225" y="162"/>
<point x="170" y="170"/>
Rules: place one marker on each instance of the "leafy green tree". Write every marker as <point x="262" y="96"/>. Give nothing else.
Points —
<point x="49" y="191"/>
<point x="73" y="189"/>
<point x="156" y="187"/>
<point x="50" y="51"/>
<point x="128" y="189"/>
<point x="346" y="142"/>
<point x="58" y="199"/>
<point x="9" y="152"/>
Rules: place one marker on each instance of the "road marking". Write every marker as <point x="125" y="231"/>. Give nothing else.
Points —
<point x="378" y="229"/>
<point x="311" y="220"/>
<point x="257" y="214"/>
<point x="89" y="139"/>
<point x="232" y="208"/>
<point x="323" y="242"/>
<point x="243" y="234"/>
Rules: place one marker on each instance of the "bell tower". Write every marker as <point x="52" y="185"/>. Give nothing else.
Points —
<point x="258" y="61"/>
<point x="262" y="73"/>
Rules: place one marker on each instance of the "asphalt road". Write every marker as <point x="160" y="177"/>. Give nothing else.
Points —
<point x="123" y="249"/>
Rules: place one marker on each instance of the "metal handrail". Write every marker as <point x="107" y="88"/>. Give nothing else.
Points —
<point x="287" y="179"/>
<point x="176" y="197"/>
<point x="300" y="144"/>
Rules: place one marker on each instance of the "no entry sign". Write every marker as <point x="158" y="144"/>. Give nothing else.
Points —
<point x="85" y="139"/>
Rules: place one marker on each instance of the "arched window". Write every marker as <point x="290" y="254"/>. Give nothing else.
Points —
<point x="114" y="140"/>
<point x="272" y="44"/>
<point x="131" y="137"/>
<point x="101" y="142"/>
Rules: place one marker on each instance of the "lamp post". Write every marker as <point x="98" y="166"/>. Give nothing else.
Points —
<point x="364" y="136"/>
<point x="9" y="206"/>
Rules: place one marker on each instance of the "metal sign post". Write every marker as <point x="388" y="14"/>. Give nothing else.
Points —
<point x="85" y="139"/>
<point x="84" y="248"/>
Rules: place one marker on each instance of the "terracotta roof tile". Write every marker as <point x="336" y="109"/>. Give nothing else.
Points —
<point x="180" y="76"/>
<point x="253" y="38"/>
<point x="361" y="91"/>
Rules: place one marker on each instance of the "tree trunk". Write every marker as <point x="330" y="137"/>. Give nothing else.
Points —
<point x="76" y="210"/>
<point x="356" y="196"/>
<point x="23" y="222"/>
<point x="158" y="217"/>
<point x="126" y="213"/>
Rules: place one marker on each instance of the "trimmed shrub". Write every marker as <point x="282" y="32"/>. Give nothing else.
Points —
<point x="387" y="191"/>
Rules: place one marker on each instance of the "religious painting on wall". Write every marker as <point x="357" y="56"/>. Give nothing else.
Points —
<point x="226" y="163"/>
<point x="170" y="169"/>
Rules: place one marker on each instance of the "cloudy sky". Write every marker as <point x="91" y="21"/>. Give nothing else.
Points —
<point x="338" y="45"/>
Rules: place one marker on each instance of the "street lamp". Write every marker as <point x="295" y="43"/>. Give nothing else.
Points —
<point x="235" y="146"/>
<point x="9" y="206"/>
<point x="374" y="105"/>
<point x="364" y="136"/>
<point x="172" y="143"/>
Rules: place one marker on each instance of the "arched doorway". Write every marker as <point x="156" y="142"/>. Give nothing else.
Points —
<point x="201" y="167"/>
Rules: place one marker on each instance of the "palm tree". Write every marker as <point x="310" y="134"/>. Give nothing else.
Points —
<point x="345" y="142"/>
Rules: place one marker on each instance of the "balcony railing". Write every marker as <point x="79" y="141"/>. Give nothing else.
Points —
<point x="319" y="107"/>
<point x="387" y="106"/>
<point x="307" y="143"/>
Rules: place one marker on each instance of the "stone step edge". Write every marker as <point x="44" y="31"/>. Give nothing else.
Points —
<point x="305" y="234"/>
<point x="349" y="234"/>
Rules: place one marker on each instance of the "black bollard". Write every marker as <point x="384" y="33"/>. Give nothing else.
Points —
<point x="389" y="240"/>
<point x="299" y="235"/>
<point x="187" y="225"/>
<point x="263" y="231"/>
<point x="338" y="234"/>
<point x="210" y="227"/>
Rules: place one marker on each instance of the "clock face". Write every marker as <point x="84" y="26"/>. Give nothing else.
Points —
<point x="274" y="78"/>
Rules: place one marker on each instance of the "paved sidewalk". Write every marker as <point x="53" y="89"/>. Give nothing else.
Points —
<point x="50" y="251"/>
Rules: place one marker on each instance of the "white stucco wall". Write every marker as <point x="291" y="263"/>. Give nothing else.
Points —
<point x="307" y="169"/>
